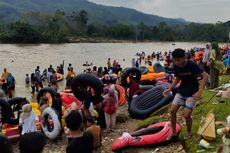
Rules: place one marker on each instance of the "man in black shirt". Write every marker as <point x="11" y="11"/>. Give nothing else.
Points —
<point x="189" y="91"/>
<point x="82" y="142"/>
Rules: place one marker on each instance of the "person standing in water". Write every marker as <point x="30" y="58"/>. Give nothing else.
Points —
<point x="10" y="85"/>
<point x="5" y="74"/>
<point x="27" y="79"/>
<point x="189" y="91"/>
<point x="109" y="63"/>
<point x="70" y="67"/>
<point x="39" y="79"/>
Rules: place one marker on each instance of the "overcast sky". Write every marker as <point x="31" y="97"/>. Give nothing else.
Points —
<point x="210" y="11"/>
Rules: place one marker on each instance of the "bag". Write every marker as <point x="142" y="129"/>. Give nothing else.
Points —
<point x="110" y="106"/>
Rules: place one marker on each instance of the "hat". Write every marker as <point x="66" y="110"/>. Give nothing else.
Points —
<point x="26" y="111"/>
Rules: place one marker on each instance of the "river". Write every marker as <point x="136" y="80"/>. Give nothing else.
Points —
<point x="22" y="59"/>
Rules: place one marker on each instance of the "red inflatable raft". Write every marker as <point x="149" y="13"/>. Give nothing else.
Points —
<point x="154" y="134"/>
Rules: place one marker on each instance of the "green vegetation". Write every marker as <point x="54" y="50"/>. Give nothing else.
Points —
<point x="75" y="27"/>
<point x="12" y="10"/>
<point x="56" y="21"/>
<point x="221" y="111"/>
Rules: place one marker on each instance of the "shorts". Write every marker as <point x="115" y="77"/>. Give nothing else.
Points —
<point x="187" y="102"/>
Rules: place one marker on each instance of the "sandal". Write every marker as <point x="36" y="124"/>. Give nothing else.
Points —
<point x="187" y="135"/>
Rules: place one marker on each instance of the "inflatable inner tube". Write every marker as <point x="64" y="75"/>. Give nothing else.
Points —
<point x="15" y="103"/>
<point x="50" y="131"/>
<point x="121" y="95"/>
<point x="158" y="68"/>
<point x="45" y="90"/>
<point x="147" y="103"/>
<point x="130" y="71"/>
<point x="144" y="70"/>
<point x="90" y="82"/>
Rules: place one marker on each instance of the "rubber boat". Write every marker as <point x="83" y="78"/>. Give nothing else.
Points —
<point x="152" y="76"/>
<point x="154" y="72"/>
<point x="150" y="101"/>
<point x="152" y="135"/>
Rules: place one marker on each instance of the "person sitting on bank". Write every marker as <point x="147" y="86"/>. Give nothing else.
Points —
<point x="33" y="142"/>
<point x="81" y="142"/>
<point x="189" y="91"/>
<point x="5" y="145"/>
<point x="95" y="131"/>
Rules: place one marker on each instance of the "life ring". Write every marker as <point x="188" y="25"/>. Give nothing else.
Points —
<point x="126" y="74"/>
<point x="150" y="101"/>
<point x="144" y="70"/>
<point x="158" y="68"/>
<point x="89" y="81"/>
<point x="51" y="134"/>
<point x="121" y="95"/>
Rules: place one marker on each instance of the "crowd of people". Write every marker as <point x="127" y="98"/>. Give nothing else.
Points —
<point x="82" y="131"/>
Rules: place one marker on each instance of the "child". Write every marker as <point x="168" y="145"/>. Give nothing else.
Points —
<point x="28" y="119"/>
<point x="225" y="148"/>
<point x="95" y="131"/>
<point x="27" y="79"/>
<point x="110" y="106"/>
<point x="82" y="142"/>
<point x="33" y="142"/>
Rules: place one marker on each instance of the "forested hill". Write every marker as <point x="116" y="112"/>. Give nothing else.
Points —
<point x="13" y="10"/>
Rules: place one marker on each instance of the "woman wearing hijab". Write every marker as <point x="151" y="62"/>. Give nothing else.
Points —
<point x="215" y="65"/>
<point x="28" y="119"/>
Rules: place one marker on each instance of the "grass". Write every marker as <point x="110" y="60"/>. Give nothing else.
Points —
<point x="221" y="111"/>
